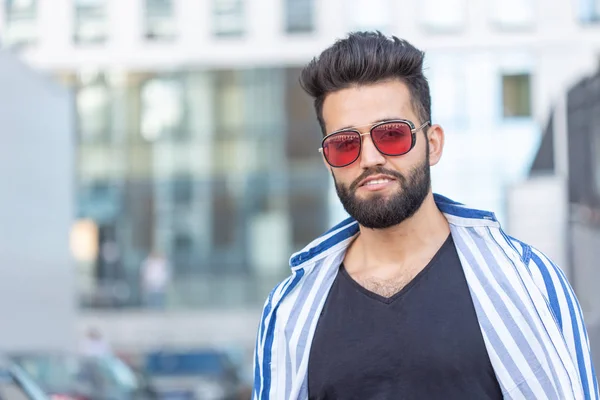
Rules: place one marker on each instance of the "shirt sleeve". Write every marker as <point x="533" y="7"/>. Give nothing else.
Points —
<point x="259" y="363"/>
<point x="568" y="314"/>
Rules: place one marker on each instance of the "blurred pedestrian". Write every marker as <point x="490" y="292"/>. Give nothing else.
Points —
<point x="156" y="275"/>
<point x="94" y="344"/>
<point x="415" y="296"/>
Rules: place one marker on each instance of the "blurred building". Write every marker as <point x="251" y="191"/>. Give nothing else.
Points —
<point x="194" y="138"/>
<point x="37" y="302"/>
<point x="559" y="204"/>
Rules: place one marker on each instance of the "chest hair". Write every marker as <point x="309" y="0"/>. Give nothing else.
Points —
<point x="386" y="287"/>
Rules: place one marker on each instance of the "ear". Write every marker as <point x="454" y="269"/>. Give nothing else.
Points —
<point x="435" y="137"/>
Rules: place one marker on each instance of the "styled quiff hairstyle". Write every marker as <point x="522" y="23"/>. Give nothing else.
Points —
<point x="365" y="58"/>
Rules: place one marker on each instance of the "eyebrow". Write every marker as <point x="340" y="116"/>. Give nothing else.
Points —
<point x="372" y="123"/>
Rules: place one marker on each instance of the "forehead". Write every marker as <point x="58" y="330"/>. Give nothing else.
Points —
<point x="366" y="104"/>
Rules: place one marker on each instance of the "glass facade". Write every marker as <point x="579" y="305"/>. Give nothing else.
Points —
<point x="93" y="107"/>
<point x="516" y="95"/>
<point x="160" y="20"/>
<point x="90" y="21"/>
<point x="589" y="11"/>
<point x="228" y="18"/>
<point x="21" y="17"/>
<point x="217" y="170"/>
<point x="299" y="16"/>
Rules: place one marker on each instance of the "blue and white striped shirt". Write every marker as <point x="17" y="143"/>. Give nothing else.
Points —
<point x="531" y="321"/>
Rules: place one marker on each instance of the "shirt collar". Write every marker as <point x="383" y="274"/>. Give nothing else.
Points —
<point x="338" y="237"/>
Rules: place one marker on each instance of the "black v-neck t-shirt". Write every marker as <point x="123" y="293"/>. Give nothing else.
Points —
<point x="422" y="343"/>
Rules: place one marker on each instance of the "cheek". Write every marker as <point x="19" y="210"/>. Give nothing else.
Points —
<point x="401" y="164"/>
<point x="409" y="160"/>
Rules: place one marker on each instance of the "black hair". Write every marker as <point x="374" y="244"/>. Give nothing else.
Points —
<point x="365" y="58"/>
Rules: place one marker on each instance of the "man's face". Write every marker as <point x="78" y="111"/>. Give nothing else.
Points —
<point x="378" y="191"/>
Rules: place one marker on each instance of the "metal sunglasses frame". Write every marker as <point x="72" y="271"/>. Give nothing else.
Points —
<point x="413" y="131"/>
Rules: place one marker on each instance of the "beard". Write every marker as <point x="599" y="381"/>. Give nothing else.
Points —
<point x="379" y="212"/>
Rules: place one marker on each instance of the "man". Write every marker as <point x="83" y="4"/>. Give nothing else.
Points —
<point x="156" y="274"/>
<point x="415" y="296"/>
<point x="94" y="344"/>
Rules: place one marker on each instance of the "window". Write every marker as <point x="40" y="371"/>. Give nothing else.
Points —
<point x="307" y="197"/>
<point x="162" y="109"/>
<point x="249" y="107"/>
<point x="516" y="95"/>
<point x="183" y="251"/>
<point x="224" y="216"/>
<point x="371" y="14"/>
<point x="308" y="211"/>
<point x="21" y="18"/>
<point x="443" y="15"/>
<point x="589" y="11"/>
<point x="183" y="191"/>
<point x="160" y="20"/>
<point x="512" y="14"/>
<point x="229" y="102"/>
<point x="93" y="108"/>
<point x="228" y="17"/>
<point x="90" y="21"/>
<point x="263" y="102"/>
<point x="299" y="16"/>
<point x="303" y="131"/>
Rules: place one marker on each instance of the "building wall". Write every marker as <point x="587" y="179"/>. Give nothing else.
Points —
<point x="560" y="212"/>
<point x="569" y="238"/>
<point x="585" y="242"/>
<point x="542" y="223"/>
<point x="470" y="25"/>
<point x="233" y="183"/>
<point x="37" y="302"/>
<point x="583" y="110"/>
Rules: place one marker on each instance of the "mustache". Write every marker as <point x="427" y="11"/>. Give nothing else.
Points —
<point x="376" y="171"/>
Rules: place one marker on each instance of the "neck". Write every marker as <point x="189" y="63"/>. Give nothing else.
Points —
<point x="414" y="238"/>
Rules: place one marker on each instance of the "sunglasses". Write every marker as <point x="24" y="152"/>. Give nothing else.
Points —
<point x="391" y="138"/>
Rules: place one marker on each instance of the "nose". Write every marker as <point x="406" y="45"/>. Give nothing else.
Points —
<point x="369" y="155"/>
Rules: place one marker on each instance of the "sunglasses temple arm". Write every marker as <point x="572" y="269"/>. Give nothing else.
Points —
<point x="422" y="126"/>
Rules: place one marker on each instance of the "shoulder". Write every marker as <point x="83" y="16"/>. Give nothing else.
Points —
<point x="566" y="310"/>
<point x="544" y="271"/>
<point x="551" y="281"/>
<point x="536" y="261"/>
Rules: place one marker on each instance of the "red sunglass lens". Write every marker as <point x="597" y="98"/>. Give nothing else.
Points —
<point x="342" y="148"/>
<point x="394" y="138"/>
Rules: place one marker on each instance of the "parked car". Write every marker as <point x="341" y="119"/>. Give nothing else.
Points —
<point x="194" y="375"/>
<point x="15" y="384"/>
<point x="74" y="377"/>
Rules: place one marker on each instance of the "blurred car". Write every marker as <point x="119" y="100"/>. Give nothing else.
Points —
<point x="73" y="377"/>
<point x="15" y="384"/>
<point x="194" y="375"/>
